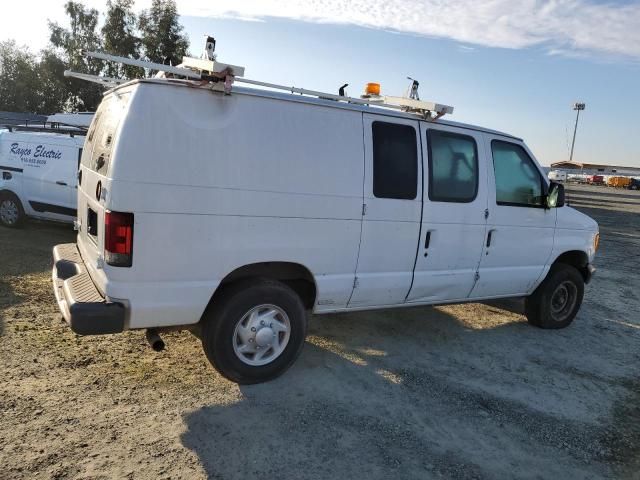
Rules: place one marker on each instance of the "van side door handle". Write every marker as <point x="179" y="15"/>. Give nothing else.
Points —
<point x="489" y="235"/>
<point x="427" y="241"/>
<point x="60" y="182"/>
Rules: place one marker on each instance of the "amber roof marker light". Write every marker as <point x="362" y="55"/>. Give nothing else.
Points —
<point x="372" y="88"/>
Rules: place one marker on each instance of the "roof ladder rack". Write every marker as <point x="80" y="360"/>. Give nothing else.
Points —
<point x="221" y="76"/>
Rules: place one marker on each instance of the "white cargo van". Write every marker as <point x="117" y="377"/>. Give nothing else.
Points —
<point x="234" y="215"/>
<point x="38" y="175"/>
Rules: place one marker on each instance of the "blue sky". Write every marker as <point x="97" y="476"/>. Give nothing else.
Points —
<point x="513" y="66"/>
<point x="527" y="92"/>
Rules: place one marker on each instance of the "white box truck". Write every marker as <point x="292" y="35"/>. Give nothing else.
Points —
<point x="38" y="175"/>
<point x="235" y="215"/>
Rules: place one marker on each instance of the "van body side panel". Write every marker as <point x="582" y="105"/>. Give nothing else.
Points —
<point x="43" y="172"/>
<point x="575" y="231"/>
<point x="219" y="182"/>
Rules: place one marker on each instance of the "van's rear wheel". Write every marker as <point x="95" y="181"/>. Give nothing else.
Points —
<point x="11" y="211"/>
<point x="254" y="330"/>
<point x="556" y="301"/>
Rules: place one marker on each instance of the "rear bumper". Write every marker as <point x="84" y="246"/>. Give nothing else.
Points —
<point x="83" y="307"/>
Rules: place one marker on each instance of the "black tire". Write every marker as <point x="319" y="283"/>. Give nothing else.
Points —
<point x="545" y="307"/>
<point x="11" y="201"/>
<point x="230" y="307"/>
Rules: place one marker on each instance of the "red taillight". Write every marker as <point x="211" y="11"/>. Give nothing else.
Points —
<point x="118" y="238"/>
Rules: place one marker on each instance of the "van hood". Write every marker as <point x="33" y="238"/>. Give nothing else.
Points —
<point x="571" y="218"/>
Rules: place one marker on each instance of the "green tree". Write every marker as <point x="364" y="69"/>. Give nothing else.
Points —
<point x="119" y="36"/>
<point x="54" y="87"/>
<point x="83" y="34"/>
<point x="19" y="89"/>
<point x="162" y="35"/>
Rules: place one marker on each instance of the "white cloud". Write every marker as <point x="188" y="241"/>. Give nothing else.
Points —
<point x="571" y="26"/>
<point x="561" y="27"/>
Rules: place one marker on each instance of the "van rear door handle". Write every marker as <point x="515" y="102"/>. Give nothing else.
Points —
<point x="60" y="182"/>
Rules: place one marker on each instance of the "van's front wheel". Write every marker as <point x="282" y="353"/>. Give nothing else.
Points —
<point x="555" y="303"/>
<point x="254" y="330"/>
<point x="11" y="211"/>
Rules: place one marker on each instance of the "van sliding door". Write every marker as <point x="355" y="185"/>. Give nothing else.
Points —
<point x="49" y="178"/>
<point x="454" y="214"/>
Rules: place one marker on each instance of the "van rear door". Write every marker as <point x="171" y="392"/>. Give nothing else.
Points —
<point x="94" y="182"/>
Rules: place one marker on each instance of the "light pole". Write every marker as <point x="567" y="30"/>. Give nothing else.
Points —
<point x="578" y="106"/>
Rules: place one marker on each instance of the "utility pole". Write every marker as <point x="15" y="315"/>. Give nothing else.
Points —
<point x="578" y="106"/>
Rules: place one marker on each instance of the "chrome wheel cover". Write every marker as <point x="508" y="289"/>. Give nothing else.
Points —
<point x="9" y="212"/>
<point x="261" y="335"/>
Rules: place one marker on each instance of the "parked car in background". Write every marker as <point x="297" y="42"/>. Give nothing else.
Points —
<point x="595" y="180"/>
<point x="634" y="184"/>
<point x="38" y="175"/>
<point x="557" y="176"/>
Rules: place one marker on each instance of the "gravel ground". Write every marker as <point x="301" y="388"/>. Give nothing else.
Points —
<point x="466" y="391"/>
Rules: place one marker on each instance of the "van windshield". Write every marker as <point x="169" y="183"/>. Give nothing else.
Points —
<point x="101" y="134"/>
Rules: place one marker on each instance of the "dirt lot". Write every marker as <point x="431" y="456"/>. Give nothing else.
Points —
<point x="468" y="391"/>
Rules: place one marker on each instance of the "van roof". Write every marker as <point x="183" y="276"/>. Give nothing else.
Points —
<point x="290" y="97"/>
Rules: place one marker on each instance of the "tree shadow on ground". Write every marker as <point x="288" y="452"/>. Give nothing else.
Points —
<point x="411" y="393"/>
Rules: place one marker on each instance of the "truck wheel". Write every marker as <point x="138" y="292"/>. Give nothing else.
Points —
<point x="556" y="301"/>
<point x="11" y="211"/>
<point x="254" y="330"/>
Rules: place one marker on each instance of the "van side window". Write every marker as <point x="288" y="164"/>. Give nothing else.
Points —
<point x="518" y="181"/>
<point x="453" y="167"/>
<point x="395" y="161"/>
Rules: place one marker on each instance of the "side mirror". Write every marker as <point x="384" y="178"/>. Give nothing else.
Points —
<point x="555" y="196"/>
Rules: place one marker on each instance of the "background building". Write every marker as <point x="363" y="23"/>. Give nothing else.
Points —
<point x="596" y="169"/>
